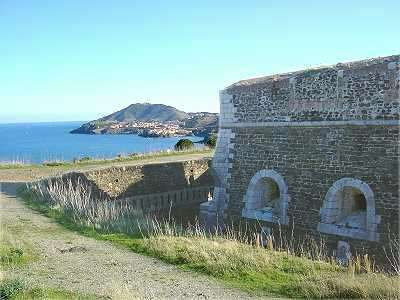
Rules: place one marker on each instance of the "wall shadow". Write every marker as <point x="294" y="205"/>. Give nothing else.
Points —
<point x="11" y="188"/>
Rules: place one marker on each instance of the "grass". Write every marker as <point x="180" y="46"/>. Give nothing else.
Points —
<point x="14" y="252"/>
<point x="270" y="272"/>
<point x="87" y="161"/>
<point x="15" y="289"/>
<point x="231" y="257"/>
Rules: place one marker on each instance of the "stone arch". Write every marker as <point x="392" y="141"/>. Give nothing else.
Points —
<point x="267" y="197"/>
<point x="349" y="210"/>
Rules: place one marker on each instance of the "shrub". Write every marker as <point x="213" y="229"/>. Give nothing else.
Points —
<point x="53" y="163"/>
<point x="211" y="141"/>
<point x="85" y="158"/>
<point x="184" y="144"/>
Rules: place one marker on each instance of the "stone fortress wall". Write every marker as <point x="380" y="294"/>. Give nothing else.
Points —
<point x="177" y="187"/>
<point x="316" y="150"/>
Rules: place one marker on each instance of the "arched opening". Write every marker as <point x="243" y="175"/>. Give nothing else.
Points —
<point x="266" y="198"/>
<point x="267" y="194"/>
<point x="349" y="210"/>
<point x="352" y="208"/>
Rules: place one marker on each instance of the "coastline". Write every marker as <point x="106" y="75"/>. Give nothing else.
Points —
<point x="35" y="143"/>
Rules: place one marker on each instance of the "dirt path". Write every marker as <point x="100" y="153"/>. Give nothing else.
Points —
<point x="70" y="261"/>
<point x="33" y="173"/>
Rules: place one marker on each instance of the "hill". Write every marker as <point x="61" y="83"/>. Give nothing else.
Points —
<point x="152" y="120"/>
<point x="146" y="112"/>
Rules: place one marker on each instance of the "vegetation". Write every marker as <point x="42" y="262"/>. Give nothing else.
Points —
<point x="10" y="289"/>
<point x="184" y="144"/>
<point x="66" y="201"/>
<point x="234" y="257"/>
<point x="13" y="252"/>
<point x="53" y="163"/>
<point x="267" y="271"/>
<point x="211" y="141"/>
<point x="11" y="256"/>
<point x="88" y="161"/>
<point x="18" y="290"/>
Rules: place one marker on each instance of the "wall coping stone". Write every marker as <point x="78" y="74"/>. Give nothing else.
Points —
<point x="314" y="123"/>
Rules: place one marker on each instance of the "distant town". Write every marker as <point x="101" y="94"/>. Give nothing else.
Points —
<point x="146" y="128"/>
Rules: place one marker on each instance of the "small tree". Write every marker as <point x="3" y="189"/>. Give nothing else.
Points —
<point x="211" y="141"/>
<point x="184" y="144"/>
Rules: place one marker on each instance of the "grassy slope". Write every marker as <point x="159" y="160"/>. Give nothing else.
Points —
<point x="259" y="271"/>
<point x="100" y="162"/>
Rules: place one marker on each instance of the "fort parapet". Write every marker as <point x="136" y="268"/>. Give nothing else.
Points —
<point x="316" y="150"/>
<point x="174" y="189"/>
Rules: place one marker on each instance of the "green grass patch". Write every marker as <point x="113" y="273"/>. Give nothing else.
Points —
<point x="7" y="165"/>
<point x="15" y="289"/>
<point x="11" y="256"/>
<point x="88" y="161"/>
<point x="13" y="251"/>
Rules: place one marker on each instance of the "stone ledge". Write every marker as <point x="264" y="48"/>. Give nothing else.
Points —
<point x="262" y="215"/>
<point x="358" y="234"/>
<point x="312" y="123"/>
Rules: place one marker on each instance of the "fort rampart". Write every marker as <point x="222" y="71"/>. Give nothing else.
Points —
<point x="177" y="188"/>
<point x="316" y="150"/>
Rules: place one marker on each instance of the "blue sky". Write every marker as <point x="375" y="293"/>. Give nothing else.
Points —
<point x="78" y="60"/>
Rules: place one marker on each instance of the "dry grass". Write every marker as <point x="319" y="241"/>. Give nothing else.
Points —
<point x="74" y="201"/>
<point x="243" y="263"/>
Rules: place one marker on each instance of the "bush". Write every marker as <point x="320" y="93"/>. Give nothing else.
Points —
<point x="184" y="144"/>
<point x="85" y="158"/>
<point x="211" y="141"/>
<point x="54" y="163"/>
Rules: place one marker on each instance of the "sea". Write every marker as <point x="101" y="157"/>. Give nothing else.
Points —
<point x="40" y="142"/>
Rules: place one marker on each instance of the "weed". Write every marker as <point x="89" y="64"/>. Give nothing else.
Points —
<point x="11" y="257"/>
<point x="18" y="290"/>
<point x="10" y="288"/>
<point x="13" y="252"/>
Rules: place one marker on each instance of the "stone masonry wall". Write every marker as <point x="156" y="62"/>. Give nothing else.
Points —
<point x="310" y="168"/>
<point x="357" y="91"/>
<point x="121" y="182"/>
<point x="153" y="188"/>
<point x="315" y="128"/>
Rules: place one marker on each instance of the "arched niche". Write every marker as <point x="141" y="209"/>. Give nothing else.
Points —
<point x="267" y="198"/>
<point x="349" y="210"/>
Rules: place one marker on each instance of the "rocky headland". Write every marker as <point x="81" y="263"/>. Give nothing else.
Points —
<point x="152" y="120"/>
